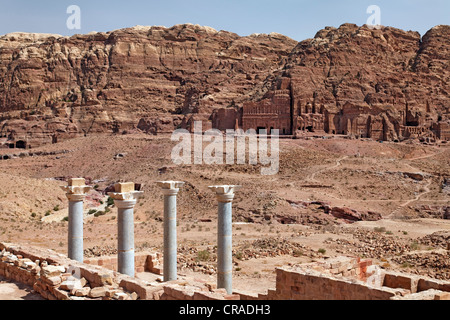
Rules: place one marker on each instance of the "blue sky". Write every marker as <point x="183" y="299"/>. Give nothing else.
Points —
<point x="298" y="19"/>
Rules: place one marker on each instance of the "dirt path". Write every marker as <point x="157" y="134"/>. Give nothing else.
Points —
<point x="312" y="177"/>
<point x="427" y="190"/>
<point x="426" y="156"/>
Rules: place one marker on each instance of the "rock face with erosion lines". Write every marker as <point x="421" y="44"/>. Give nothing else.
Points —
<point x="152" y="78"/>
<point x="385" y="84"/>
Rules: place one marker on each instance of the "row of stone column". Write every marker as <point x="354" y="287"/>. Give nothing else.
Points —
<point x="125" y="198"/>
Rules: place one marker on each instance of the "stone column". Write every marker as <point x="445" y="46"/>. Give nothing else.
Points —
<point x="76" y="192"/>
<point x="225" y="196"/>
<point x="170" y="191"/>
<point x="125" y="198"/>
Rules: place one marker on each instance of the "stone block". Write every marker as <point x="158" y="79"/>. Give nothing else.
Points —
<point x="52" y="281"/>
<point x="50" y="296"/>
<point x="69" y="285"/>
<point x="220" y="291"/>
<point x="97" y="292"/>
<point x="139" y="269"/>
<point x="203" y="296"/>
<point x="157" y="270"/>
<point x="76" y="182"/>
<point x="134" y="285"/>
<point x="83" y="292"/>
<point x="334" y="271"/>
<point x="246" y="295"/>
<point x="442" y="296"/>
<point x="342" y="268"/>
<point x="60" y="294"/>
<point x="365" y="263"/>
<point x="168" y="290"/>
<point x="121" y="296"/>
<point x="397" y="280"/>
<point x="182" y="294"/>
<point x="111" y="292"/>
<point x="68" y="278"/>
<point x="106" y="279"/>
<point x="83" y="282"/>
<point x="29" y="265"/>
<point x="140" y="259"/>
<point x="425" y="284"/>
<point x="52" y="271"/>
<point x="124" y="187"/>
<point x="134" y="296"/>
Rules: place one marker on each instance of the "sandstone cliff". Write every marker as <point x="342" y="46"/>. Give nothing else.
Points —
<point x="398" y="77"/>
<point x="157" y="79"/>
<point x="54" y="87"/>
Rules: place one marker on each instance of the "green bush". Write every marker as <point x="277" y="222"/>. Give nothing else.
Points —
<point x="239" y="255"/>
<point x="109" y="202"/>
<point x="203" y="255"/>
<point x="414" y="245"/>
<point x="99" y="213"/>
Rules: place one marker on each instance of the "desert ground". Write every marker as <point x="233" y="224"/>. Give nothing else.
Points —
<point x="278" y="220"/>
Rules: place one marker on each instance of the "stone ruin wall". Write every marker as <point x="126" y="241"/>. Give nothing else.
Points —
<point x="143" y="262"/>
<point x="342" y="278"/>
<point x="345" y="278"/>
<point x="56" y="277"/>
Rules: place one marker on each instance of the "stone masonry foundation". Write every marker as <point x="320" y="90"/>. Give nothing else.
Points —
<point x="56" y="277"/>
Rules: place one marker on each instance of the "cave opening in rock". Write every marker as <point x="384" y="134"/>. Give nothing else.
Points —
<point x="21" y="144"/>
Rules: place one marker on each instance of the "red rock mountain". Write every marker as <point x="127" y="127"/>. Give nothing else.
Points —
<point x="54" y="87"/>
<point x="353" y="73"/>
<point x="156" y="79"/>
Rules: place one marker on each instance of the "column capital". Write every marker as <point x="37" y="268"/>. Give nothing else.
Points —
<point x="76" y="189"/>
<point x="75" y="197"/>
<point x="225" y="193"/>
<point x="126" y="195"/>
<point x="125" y="204"/>
<point x="170" y="188"/>
<point x="125" y="191"/>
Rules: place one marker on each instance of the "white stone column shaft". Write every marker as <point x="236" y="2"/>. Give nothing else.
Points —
<point x="225" y="196"/>
<point x="76" y="191"/>
<point x="125" y="199"/>
<point x="170" y="191"/>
